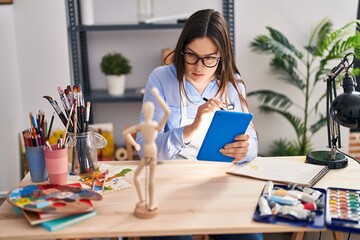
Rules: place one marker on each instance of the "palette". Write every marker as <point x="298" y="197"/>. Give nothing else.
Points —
<point x="52" y="198"/>
<point x="343" y="209"/>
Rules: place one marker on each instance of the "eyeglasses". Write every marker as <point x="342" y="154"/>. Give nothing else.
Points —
<point x="208" y="61"/>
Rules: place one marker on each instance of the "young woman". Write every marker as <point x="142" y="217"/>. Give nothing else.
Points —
<point x="203" y="68"/>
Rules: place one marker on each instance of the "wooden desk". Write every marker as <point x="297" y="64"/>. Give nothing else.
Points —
<point x="194" y="197"/>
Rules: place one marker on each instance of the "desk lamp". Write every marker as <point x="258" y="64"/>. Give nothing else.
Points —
<point x="341" y="110"/>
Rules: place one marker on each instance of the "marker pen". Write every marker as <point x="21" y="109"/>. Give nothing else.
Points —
<point x="229" y="107"/>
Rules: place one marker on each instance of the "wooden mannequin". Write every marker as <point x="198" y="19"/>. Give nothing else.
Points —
<point x="146" y="208"/>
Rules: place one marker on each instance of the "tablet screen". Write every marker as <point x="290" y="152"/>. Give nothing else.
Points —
<point x="224" y="127"/>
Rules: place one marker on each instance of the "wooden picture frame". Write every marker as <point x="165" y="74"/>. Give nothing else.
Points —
<point x="6" y="1"/>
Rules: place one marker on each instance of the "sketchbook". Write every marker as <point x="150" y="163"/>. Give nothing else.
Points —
<point x="57" y="224"/>
<point x="281" y="170"/>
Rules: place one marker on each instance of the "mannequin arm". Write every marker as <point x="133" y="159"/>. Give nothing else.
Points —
<point x="164" y="106"/>
<point x="127" y="134"/>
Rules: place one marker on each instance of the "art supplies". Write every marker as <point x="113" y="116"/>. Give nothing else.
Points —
<point x="343" y="209"/>
<point x="38" y="132"/>
<point x="281" y="170"/>
<point x="276" y="207"/>
<point x="35" y="218"/>
<point x="337" y="209"/>
<point x="57" y="224"/>
<point x="51" y="198"/>
<point x="106" y="179"/>
<point x="84" y="142"/>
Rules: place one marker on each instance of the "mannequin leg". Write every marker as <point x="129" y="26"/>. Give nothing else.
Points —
<point x="137" y="180"/>
<point x="152" y="205"/>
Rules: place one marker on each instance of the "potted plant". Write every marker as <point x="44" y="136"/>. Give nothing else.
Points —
<point x="115" y="66"/>
<point x="303" y="69"/>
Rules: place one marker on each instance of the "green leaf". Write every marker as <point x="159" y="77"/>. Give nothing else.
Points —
<point x="272" y="98"/>
<point x="319" y="124"/>
<point x="284" y="147"/>
<point x="286" y="70"/>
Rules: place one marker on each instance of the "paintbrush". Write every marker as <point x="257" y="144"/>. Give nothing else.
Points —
<point x="68" y="124"/>
<point x="87" y="115"/>
<point x="51" y="123"/>
<point x="78" y="111"/>
<point x="57" y="109"/>
<point x="64" y="100"/>
<point x="68" y="96"/>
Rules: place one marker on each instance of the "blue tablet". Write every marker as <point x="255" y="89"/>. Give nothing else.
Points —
<point x="224" y="127"/>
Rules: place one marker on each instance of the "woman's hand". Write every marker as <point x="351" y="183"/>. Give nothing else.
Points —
<point x="237" y="149"/>
<point x="204" y="114"/>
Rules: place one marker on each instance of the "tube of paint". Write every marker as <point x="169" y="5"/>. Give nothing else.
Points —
<point x="297" y="213"/>
<point x="286" y="200"/>
<point x="264" y="207"/>
<point x="269" y="186"/>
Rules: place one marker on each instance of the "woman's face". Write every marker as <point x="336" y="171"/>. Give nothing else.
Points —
<point x="201" y="48"/>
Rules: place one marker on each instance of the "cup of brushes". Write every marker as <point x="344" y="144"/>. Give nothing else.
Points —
<point x="83" y="141"/>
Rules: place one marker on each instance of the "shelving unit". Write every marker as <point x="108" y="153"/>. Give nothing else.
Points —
<point x="79" y="49"/>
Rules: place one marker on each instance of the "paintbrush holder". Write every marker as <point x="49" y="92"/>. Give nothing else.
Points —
<point x="84" y="151"/>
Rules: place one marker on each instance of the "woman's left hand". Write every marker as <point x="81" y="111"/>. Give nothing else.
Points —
<point x="237" y="149"/>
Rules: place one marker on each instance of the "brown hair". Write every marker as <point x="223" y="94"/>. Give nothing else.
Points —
<point x="210" y="23"/>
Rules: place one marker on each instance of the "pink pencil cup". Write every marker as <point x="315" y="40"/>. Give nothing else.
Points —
<point x="56" y="164"/>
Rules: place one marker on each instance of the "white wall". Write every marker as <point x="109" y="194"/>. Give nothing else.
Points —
<point x="10" y="102"/>
<point x="35" y="60"/>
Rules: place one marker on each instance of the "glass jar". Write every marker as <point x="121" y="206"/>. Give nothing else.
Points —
<point x="83" y="151"/>
<point x="145" y="10"/>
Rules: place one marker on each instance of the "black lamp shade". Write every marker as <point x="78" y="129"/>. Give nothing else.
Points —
<point x="345" y="109"/>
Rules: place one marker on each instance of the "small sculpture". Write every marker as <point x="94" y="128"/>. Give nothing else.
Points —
<point x="147" y="208"/>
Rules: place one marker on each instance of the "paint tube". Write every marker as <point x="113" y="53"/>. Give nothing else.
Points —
<point x="264" y="207"/>
<point x="312" y="206"/>
<point x="315" y="193"/>
<point x="296" y="213"/>
<point x="275" y="207"/>
<point x="269" y="186"/>
<point x="286" y="200"/>
<point x="295" y="194"/>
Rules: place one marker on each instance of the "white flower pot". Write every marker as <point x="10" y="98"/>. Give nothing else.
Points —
<point x="116" y="84"/>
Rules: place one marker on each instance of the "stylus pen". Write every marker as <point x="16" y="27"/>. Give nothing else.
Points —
<point x="205" y="99"/>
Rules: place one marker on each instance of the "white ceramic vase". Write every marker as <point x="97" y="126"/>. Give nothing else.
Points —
<point x="116" y="84"/>
<point x="87" y="12"/>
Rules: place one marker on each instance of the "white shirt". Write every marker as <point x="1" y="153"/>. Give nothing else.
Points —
<point x="170" y="140"/>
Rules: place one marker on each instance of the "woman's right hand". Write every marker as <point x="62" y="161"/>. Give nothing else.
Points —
<point x="204" y="115"/>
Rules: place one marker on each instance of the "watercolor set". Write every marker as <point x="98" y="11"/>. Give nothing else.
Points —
<point x="343" y="209"/>
<point x="337" y="209"/>
<point x="52" y="198"/>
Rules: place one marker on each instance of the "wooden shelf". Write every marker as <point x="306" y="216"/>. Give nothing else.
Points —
<point x="87" y="28"/>
<point x="102" y="96"/>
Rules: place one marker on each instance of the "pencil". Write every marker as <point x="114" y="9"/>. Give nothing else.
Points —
<point x="205" y="99"/>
